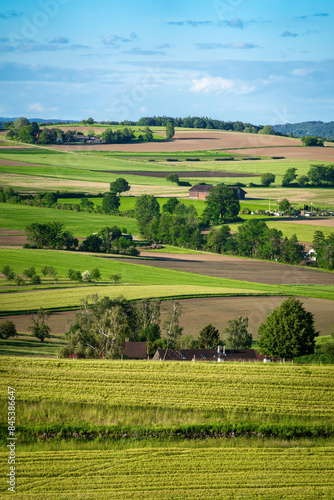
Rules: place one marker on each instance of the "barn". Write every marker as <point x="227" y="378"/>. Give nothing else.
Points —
<point x="201" y="191"/>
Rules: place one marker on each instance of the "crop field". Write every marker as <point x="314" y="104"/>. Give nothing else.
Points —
<point x="164" y="430"/>
<point x="177" y="473"/>
<point x="278" y="389"/>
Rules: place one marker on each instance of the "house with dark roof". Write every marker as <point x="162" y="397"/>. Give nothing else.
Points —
<point x="135" y="350"/>
<point x="240" y="355"/>
<point x="201" y="191"/>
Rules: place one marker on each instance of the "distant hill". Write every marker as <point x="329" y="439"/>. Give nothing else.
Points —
<point x="38" y="120"/>
<point x="317" y="129"/>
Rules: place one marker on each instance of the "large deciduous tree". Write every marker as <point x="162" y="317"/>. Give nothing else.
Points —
<point x="119" y="186"/>
<point x="289" y="176"/>
<point x="39" y="327"/>
<point x="236" y="333"/>
<point x="267" y="179"/>
<point x="222" y="203"/>
<point x="110" y="203"/>
<point x="170" y="131"/>
<point x="7" y="329"/>
<point x="100" y="328"/>
<point x="172" y="326"/>
<point x="288" y="331"/>
<point x="146" y="209"/>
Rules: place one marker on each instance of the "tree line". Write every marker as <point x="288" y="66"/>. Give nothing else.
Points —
<point x="180" y="225"/>
<point x="52" y="235"/>
<point x="102" y="325"/>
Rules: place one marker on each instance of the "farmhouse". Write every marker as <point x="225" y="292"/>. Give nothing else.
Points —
<point x="209" y="355"/>
<point x="201" y="191"/>
<point x="135" y="350"/>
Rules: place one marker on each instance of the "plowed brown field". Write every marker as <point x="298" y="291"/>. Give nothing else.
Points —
<point x="237" y="268"/>
<point x="195" y="141"/>
<point x="216" y="310"/>
<point x="299" y="153"/>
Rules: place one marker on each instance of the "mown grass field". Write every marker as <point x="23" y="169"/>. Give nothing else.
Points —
<point x="177" y="473"/>
<point x="276" y="392"/>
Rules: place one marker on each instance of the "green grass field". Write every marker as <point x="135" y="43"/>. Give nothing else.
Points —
<point x="304" y="232"/>
<point x="25" y="345"/>
<point x="138" y="281"/>
<point x="81" y="224"/>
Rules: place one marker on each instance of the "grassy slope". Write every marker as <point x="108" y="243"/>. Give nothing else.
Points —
<point x="137" y="281"/>
<point x="79" y="223"/>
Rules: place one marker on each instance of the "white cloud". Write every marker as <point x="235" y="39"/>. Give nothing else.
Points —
<point x="36" y="107"/>
<point x="302" y="71"/>
<point x="219" y="85"/>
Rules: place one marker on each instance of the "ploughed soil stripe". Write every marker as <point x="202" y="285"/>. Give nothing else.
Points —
<point x="180" y="174"/>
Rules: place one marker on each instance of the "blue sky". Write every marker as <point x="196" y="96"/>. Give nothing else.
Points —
<point x="256" y="61"/>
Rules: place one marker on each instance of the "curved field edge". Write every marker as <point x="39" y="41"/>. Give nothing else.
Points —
<point x="176" y="473"/>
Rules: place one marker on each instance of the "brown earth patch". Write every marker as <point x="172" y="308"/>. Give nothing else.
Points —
<point x="197" y="313"/>
<point x="11" y="163"/>
<point x="194" y="141"/>
<point x="300" y="153"/>
<point x="204" y="173"/>
<point x="237" y="268"/>
<point x="314" y="222"/>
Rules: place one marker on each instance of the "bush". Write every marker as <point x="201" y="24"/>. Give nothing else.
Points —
<point x="7" y="329"/>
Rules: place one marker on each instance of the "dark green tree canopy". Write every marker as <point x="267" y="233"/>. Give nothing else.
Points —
<point x="222" y="203"/>
<point x="208" y="337"/>
<point x="7" y="329"/>
<point x="146" y="209"/>
<point x="119" y="186"/>
<point x="110" y="203"/>
<point x="237" y="335"/>
<point x="288" y="331"/>
<point x="173" y="178"/>
<point x="170" y="131"/>
<point x="267" y="179"/>
<point x="170" y="205"/>
<point x="312" y="141"/>
<point x="284" y="205"/>
<point x="289" y="176"/>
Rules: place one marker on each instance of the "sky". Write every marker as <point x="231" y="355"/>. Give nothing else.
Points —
<point x="257" y="61"/>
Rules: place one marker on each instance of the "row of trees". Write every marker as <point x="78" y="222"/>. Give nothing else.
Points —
<point x="51" y="235"/>
<point x="102" y="325"/>
<point x="317" y="176"/>
<point x="180" y="225"/>
<point x="203" y="122"/>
